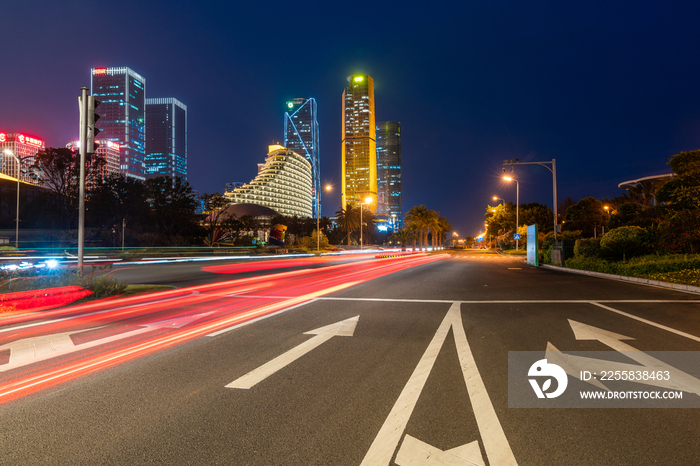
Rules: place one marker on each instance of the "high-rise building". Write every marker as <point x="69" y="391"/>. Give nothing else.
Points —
<point x="122" y="96"/>
<point x="301" y="136"/>
<point x="166" y="138"/>
<point x="389" y="172"/>
<point x="283" y="184"/>
<point x="359" y="147"/>
<point x="22" y="146"/>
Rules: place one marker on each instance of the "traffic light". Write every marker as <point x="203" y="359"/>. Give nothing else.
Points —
<point x="92" y="131"/>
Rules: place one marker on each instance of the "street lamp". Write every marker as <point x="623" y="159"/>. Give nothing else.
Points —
<point x="517" y="205"/>
<point x="367" y="201"/>
<point x="19" y="166"/>
<point x="318" y="229"/>
<point x="495" y="198"/>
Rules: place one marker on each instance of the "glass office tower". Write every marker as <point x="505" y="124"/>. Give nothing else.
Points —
<point x="122" y="95"/>
<point x="359" y="147"/>
<point x="389" y="172"/>
<point x="301" y="136"/>
<point x="166" y="138"/>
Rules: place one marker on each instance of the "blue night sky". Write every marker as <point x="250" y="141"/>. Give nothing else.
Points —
<point x="609" y="89"/>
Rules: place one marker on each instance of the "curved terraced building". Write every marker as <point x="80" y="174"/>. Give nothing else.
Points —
<point x="283" y="183"/>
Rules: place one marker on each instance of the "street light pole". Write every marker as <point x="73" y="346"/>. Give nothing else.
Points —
<point x="19" y="168"/>
<point x="360" y="226"/>
<point x="553" y="169"/>
<point x="517" y="206"/>
<point x="367" y="201"/>
<point x="318" y="228"/>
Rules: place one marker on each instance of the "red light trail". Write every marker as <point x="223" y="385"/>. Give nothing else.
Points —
<point x="98" y="335"/>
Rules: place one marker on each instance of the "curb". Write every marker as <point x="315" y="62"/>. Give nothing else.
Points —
<point x="623" y="278"/>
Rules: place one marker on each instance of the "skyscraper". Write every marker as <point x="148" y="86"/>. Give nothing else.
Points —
<point x="389" y="172"/>
<point x="166" y="138"/>
<point x="301" y="136"/>
<point x="359" y="147"/>
<point x="122" y="93"/>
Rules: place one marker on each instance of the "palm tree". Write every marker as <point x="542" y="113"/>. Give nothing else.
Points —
<point x="416" y="218"/>
<point x="421" y="219"/>
<point x="348" y="219"/>
<point x="442" y="226"/>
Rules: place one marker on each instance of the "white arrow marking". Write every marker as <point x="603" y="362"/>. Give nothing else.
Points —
<point x="413" y="452"/>
<point x="573" y="365"/>
<point x="344" y="328"/>
<point x="35" y="349"/>
<point x="495" y="442"/>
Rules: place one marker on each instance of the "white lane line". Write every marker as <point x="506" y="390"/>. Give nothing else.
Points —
<point x="640" y="319"/>
<point x="506" y="301"/>
<point x="387" y="440"/>
<point x="243" y="324"/>
<point x="494" y="439"/>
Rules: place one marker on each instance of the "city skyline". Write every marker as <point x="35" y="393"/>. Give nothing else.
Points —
<point x="599" y="89"/>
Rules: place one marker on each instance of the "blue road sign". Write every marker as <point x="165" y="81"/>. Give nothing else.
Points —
<point x="517" y="237"/>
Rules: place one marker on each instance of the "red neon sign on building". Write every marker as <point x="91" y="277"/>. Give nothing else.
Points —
<point x="22" y="139"/>
<point x="100" y="70"/>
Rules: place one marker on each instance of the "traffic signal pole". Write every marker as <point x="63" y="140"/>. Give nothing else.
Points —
<point x="83" y="104"/>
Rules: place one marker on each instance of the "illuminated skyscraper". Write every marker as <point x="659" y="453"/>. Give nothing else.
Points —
<point x="122" y="93"/>
<point x="301" y="136"/>
<point x="166" y="138"/>
<point x="359" y="146"/>
<point x="22" y="146"/>
<point x="389" y="172"/>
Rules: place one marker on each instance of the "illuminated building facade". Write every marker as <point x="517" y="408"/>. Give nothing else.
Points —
<point x="283" y="184"/>
<point x="166" y="138"/>
<point x="359" y="147"/>
<point x="22" y="146"/>
<point x="389" y="172"/>
<point x="107" y="150"/>
<point x="122" y="111"/>
<point x="301" y="136"/>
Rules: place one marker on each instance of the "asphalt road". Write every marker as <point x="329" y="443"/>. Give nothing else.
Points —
<point x="418" y="370"/>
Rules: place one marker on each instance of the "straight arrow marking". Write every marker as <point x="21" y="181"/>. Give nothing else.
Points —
<point x="680" y="380"/>
<point x="323" y="334"/>
<point x="413" y="452"/>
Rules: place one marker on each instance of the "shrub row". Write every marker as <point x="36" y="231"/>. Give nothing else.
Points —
<point x="643" y="266"/>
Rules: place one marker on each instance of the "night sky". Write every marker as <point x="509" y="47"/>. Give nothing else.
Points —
<point x="609" y="89"/>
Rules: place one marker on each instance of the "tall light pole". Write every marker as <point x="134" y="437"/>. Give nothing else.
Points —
<point x="367" y="201"/>
<point x="19" y="167"/>
<point x="517" y="205"/>
<point x="496" y="198"/>
<point x="318" y="229"/>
